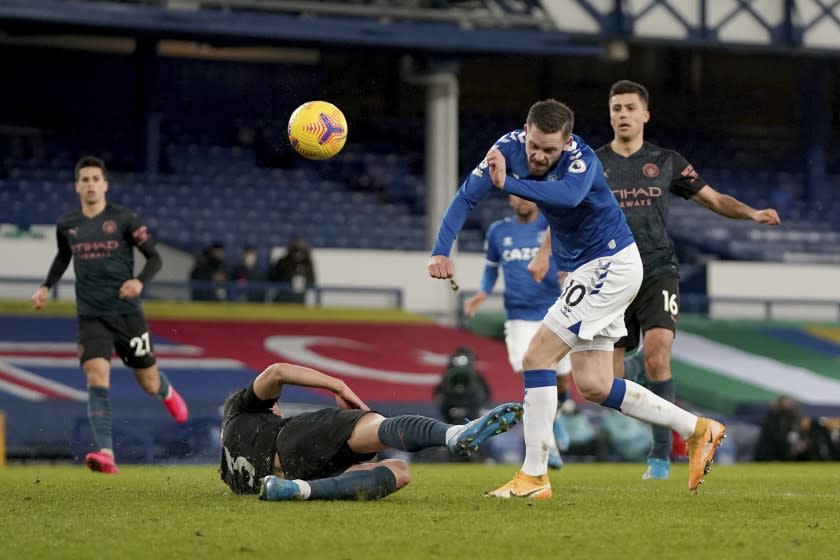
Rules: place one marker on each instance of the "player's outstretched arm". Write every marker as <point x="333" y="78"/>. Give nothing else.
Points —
<point x="731" y="207"/>
<point x="539" y="265"/>
<point x="270" y="382"/>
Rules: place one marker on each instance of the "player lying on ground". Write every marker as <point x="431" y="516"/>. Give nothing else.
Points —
<point x="321" y="455"/>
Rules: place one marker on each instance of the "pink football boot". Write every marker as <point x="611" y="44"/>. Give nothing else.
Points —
<point x="176" y="406"/>
<point x="101" y="462"/>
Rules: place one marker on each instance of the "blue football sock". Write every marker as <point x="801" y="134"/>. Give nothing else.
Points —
<point x="662" y="441"/>
<point x="616" y="396"/>
<point x="412" y="433"/>
<point x="355" y="485"/>
<point x="99" y="416"/>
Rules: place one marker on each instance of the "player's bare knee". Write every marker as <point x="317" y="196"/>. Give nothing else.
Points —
<point x="97" y="371"/>
<point x="593" y="391"/>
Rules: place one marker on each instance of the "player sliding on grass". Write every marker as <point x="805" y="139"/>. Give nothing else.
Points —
<point x="320" y="455"/>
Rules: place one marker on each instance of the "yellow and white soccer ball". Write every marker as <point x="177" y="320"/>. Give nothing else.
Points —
<point x="317" y="130"/>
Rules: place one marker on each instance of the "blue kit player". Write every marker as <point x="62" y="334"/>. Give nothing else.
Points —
<point x="511" y="244"/>
<point x="547" y="164"/>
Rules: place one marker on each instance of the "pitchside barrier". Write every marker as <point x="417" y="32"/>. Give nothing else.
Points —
<point x="773" y="290"/>
<point x="373" y="297"/>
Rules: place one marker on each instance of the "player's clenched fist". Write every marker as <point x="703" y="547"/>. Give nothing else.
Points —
<point x="767" y="216"/>
<point x="39" y="298"/>
<point x="131" y="288"/>
<point x="440" y="266"/>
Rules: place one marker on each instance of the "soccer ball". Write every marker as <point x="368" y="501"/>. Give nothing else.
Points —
<point x="317" y="130"/>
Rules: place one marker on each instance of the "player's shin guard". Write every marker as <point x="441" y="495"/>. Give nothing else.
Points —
<point x="540" y="408"/>
<point x="354" y="485"/>
<point x="412" y="433"/>
<point x="99" y="416"/>
<point x="662" y="440"/>
<point x="637" y="402"/>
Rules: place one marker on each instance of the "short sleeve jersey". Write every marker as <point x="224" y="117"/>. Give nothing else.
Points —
<point x="103" y="257"/>
<point x="641" y="183"/>
<point x="249" y="434"/>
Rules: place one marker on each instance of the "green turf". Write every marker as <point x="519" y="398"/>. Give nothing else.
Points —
<point x="598" y="511"/>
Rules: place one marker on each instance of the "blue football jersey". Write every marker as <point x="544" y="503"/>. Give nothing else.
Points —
<point x="510" y="246"/>
<point x="586" y="222"/>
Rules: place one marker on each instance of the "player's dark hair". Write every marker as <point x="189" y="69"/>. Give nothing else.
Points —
<point x="91" y="161"/>
<point x="550" y="115"/>
<point x="627" y="86"/>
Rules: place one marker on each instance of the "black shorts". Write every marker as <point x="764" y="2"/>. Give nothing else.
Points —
<point x="313" y="445"/>
<point x="656" y="305"/>
<point x="127" y="334"/>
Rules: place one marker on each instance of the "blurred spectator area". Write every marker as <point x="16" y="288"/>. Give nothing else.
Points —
<point x="376" y="200"/>
<point x="225" y="170"/>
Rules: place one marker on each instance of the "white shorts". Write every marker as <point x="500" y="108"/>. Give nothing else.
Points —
<point x="518" y="334"/>
<point x="589" y="314"/>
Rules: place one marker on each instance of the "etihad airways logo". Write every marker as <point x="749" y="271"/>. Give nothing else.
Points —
<point x="639" y="196"/>
<point x="94" y="249"/>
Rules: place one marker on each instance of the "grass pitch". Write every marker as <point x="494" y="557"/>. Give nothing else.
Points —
<point x="598" y="511"/>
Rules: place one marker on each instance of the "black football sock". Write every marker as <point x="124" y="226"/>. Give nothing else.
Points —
<point x="562" y="397"/>
<point x="355" y="485"/>
<point x="412" y="433"/>
<point x="99" y="415"/>
<point x="163" y="391"/>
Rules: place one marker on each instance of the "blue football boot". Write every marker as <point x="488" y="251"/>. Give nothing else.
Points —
<point x="275" y="489"/>
<point x="476" y="432"/>
<point x="658" y="469"/>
